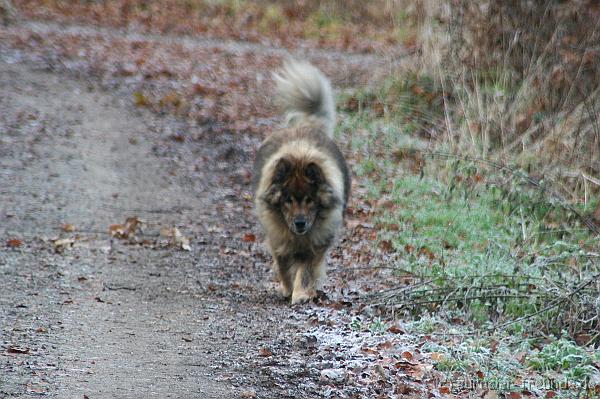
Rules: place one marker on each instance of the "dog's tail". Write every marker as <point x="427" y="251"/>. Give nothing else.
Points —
<point x="304" y="92"/>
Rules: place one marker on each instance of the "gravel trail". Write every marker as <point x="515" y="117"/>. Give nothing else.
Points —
<point x="102" y="317"/>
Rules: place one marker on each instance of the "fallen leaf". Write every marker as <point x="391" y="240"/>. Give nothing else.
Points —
<point x="179" y="137"/>
<point x="494" y="346"/>
<point x="249" y="237"/>
<point x="176" y="238"/>
<point x="140" y="99"/>
<point x="358" y="223"/>
<point x="370" y="351"/>
<point x="14" y="243"/>
<point x="379" y="109"/>
<point x="514" y="395"/>
<point x="385" y="345"/>
<point x="265" y="352"/>
<point x="386" y="246"/>
<point x="17" y="350"/>
<point x="583" y="338"/>
<point x="407" y="355"/>
<point x="127" y="230"/>
<point x="67" y="228"/>
<point x="352" y="104"/>
<point x="403" y="389"/>
<point x="426" y="252"/>
<point x="521" y="356"/>
<point x="63" y="243"/>
<point x="397" y="328"/>
<point x="445" y="390"/>
<point x="384" y="203"/>
<point x="437" y="357"/>
<point x="448" y="244"/>
<point x="418" y="371"/>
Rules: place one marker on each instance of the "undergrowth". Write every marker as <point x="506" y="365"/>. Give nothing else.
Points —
<point x="480" y="247"/>
<point x="482" y="241"/>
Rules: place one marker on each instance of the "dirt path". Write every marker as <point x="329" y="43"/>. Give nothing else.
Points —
<point x="108" y="318"/>
<point x="348" y="59"/>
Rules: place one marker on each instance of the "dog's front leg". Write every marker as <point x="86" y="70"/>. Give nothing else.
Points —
<point x="303" y="284"/>
<point x="305" y="281"/>
<point x="285" y="273"/>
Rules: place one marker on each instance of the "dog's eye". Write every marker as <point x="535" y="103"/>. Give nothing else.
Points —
<point x="288" y="200"/>
<point x="308" y="201"/>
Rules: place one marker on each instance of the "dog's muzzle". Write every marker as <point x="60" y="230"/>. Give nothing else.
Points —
<point x="300" y="226"/>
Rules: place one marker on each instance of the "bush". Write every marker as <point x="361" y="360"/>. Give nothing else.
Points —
<point x="522" y="80"/>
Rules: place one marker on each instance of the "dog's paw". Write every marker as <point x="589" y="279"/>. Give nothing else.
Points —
<point x="301" y="297"/>
<point x="284" y="291"/>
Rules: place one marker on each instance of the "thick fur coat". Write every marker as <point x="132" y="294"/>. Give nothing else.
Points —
<point x="301" y="181"/>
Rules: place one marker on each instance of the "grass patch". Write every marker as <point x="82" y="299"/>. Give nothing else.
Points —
<point x="513" y="364"/>
<point x="492" y="257"/>
<point x="565" y="357"/>
<point x="486" y="245"/>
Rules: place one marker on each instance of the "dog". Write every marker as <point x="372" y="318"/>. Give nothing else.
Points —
<point x="301" y="181"/>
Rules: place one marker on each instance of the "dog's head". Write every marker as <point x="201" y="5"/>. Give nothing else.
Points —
<point x="299" y="191"/>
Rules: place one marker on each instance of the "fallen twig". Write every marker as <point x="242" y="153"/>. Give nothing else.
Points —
<point x="117" y="288"/>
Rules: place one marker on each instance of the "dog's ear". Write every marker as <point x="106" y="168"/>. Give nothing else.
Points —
<point x="283" y="170"/>
<point x="314" y="173"/>
<point x="273" y="195"/>
<point x="326" y="197"/>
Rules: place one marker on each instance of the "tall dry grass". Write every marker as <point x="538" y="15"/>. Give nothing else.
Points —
<point x="522" y="84"/>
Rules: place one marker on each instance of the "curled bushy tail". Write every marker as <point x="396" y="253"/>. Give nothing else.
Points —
<point x="304" y="92"/>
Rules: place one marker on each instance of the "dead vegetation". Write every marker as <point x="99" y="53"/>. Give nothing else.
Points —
<point x="333" y="24"/>
<point x="506" y="94"/>
<point x="521" y="82"/>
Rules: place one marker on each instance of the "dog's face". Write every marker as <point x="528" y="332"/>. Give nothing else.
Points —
<point x="299" y="192"/>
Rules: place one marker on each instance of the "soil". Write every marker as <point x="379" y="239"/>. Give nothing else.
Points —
<point x="183" y="304"/>
<point x="118" y="318"/>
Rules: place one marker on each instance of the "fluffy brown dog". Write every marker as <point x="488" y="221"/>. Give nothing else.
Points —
<point x="301" y="181"/>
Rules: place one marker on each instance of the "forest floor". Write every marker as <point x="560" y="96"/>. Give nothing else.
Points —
<point x="131" y="260"/>
<point x="90" y="310"/>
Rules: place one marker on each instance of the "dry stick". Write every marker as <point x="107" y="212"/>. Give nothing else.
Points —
<point x="551" y="305"/>
<point x="444" y="290"/>
<point x="468" y="298"/>
<point x="395" y="290"/>
<point x="117" y="288"/>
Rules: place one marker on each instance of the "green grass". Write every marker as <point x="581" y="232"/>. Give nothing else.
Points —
<point x="491" y="246"/>
<point x="488" y="248"/>
<point x="514" y="363"/>
<point x="566" y="357"/>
